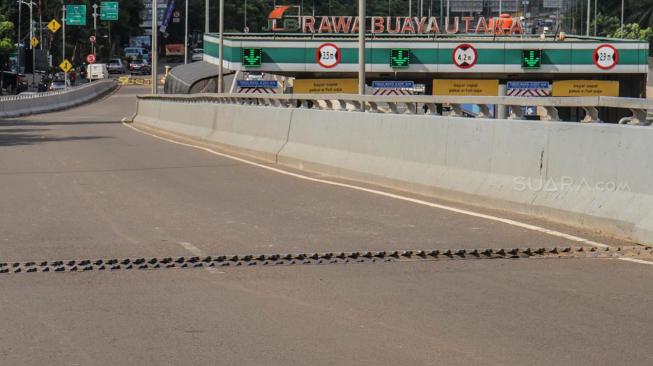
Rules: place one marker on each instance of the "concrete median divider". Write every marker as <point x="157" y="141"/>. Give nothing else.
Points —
<point x="22" y="105"/>
<point x="592" y="176"/>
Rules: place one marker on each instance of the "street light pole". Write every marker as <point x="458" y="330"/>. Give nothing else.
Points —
<point x="589" y="14"/>
<point x="221" y="48"/>
<point x="186" y="35"/>
<point x="361" y="48"/>
<point x="206" y="17"/>
<point x="622" y="19"/>
<point x="155" y="48"/>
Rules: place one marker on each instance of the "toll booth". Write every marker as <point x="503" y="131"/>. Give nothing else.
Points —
<point x="462" y="64"/>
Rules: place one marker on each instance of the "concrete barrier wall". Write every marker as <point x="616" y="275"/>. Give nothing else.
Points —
<point x="256" y="131"/>
<point x="594" y="176"/>
<point x="22" y="105"/>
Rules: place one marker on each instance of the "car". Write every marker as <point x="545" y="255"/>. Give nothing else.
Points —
<point x="116" y="66"/>
<point x="59" y="84"/>
<point x="198" y="55"/>
<point x="12" y="83"/>
<point x="139" y="66"/>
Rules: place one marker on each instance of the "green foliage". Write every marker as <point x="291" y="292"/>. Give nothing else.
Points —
<point x="634" y="31"/>
<point x="6" y="43"/>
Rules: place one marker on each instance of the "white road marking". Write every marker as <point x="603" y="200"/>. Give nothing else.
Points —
<point x="633" y="260"/>
<point x="515" y="223"/>
<point x="197" y="252"/>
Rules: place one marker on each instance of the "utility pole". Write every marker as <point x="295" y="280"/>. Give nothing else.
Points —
<point x="221" y="48"/>
<point x="500" y="8"/>
<point x="186" y="34"/>
<point x="361" y="48"/>
<point x="155" y="48"/>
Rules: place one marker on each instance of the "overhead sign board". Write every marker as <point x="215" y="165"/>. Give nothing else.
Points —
<point x="76" y="15"/>
<point x="466" y="87"/>
<point x="585" y="88"/>
<point x="252" y="57"/>
<point x="399" y="58"/>
<point x="325" y="86"/>
<point x="257" y="84"/>
<point x="54" y="26"/>
<point x="393" y="84"/>
<point x="109" y="10"/>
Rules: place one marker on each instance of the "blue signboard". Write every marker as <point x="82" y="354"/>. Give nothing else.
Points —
<point x="393" y="84"/>
<point x="529" y="85"/>
<point x="257" y="84"/>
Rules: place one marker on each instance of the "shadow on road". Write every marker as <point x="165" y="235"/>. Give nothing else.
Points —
<point x="16" y="123"/>
<point x="19" y="139"/>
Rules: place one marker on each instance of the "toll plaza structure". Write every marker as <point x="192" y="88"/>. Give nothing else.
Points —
<point x="458" y="64"/>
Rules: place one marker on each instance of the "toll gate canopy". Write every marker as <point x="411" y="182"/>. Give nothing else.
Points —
<point x="424" y="58"/>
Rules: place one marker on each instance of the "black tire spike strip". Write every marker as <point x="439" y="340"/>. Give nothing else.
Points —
<point x="250" y="260"/>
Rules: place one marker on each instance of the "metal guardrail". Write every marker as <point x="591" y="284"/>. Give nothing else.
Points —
<point x="428" y="104"/>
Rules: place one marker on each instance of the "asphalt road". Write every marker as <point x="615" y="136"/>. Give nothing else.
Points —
<point x="79" y="184"/>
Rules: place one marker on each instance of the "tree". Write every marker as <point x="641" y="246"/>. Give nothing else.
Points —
<point x="6" y="42"/>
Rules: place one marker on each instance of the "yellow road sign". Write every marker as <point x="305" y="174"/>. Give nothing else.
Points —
<point x="35" y="42"/>
<point x="325" y="86"/>
<point x="585" y="88"/>
<point x="466" y="87"/>
<point x="54" y="26"/>
<point x="66" y="66"/>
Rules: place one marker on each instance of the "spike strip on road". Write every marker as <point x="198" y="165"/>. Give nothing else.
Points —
<point x="268" y="260"/>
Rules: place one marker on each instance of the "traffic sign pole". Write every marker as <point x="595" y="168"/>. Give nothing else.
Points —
<point x="95" y="15"/>
<point x="155" y="30"/>
<point x="63" y="48"/>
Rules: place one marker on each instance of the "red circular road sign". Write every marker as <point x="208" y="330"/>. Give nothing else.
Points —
<point x="606" y="57"/>
<point x="328" y="55"/>
<point x="92" y="39"/>
<point x="90" y="58"/>
<point x="465" y="56"/>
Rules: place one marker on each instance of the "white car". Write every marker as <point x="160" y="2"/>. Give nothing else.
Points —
<point x="197" y="55"/>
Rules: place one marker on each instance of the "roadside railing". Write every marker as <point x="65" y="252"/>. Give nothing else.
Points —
<point x="429" y="104"/>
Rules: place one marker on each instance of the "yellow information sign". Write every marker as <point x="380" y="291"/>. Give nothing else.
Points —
<point x="54" y="26"/>
<point x="585" y="88"/>
<point x="66" y="66"/>
<point x="35" y="42"/>
<point x="325" y="86"/>
<point x="466" y="87"/>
